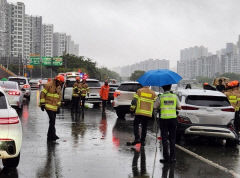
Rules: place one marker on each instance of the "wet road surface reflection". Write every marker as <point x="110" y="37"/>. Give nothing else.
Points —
<point x="93" y="144"/>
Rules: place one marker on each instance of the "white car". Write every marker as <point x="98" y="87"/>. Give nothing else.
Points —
<point x="123" y="97"/>
<point x="23" y="83"/>
<point x="94" y="89"/>
<point x="10" y="133"/>
<point x="14" y="93"/>
<point x="206" y="113"/>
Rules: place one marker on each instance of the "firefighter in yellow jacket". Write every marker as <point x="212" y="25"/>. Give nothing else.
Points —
<point x="84" y="92"/>
<point x="76" y="95"/>
<point x="234" y="99"/>
<point x="142" y="104"/>
<point x="50" y="100"/>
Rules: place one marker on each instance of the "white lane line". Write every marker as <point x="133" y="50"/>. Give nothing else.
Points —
<point x="234" y="174"/>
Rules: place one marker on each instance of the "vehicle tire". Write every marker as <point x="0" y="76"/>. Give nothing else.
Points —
<point x="230" y="142"/>
<point x="120" y="113"/>
<point x="11" y="162"/>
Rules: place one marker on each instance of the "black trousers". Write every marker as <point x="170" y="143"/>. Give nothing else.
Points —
<point x="143" y="120"/>
<point x="104" y="104"/>
<point x="168" y="132"/>
<point x="237" y="122"/>
<point x="51" y="128"/>
<point x="83" y="99"/>
<point x="75" y="103"/>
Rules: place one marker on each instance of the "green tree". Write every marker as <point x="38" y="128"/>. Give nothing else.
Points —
<point x="202" y="79"/>
<point x="136" y="74"/>
<point x="231" y="76"/>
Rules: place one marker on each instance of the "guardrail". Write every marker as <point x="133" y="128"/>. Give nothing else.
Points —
<point x="8" y="72"/>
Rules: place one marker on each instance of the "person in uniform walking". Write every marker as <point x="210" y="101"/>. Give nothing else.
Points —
<point x="104" y="95"/>
<point x="76" y="95"/>
<point x="220" y="87"/>
<point x="168" y="104"/>
<point x="84" y="92"/>
<point x="50" y="100"/>
<point x="142" y="104"/>
<point x="233" y="96"/>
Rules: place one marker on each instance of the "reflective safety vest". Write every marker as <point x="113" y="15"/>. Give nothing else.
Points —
<point x="51" y="96"/>
<point x="232" y="99"/>
<point x="76" y="86"/>
<point x="145" y="100"/>
<point x="84" y="89"/>
<point x="168" y="105"/>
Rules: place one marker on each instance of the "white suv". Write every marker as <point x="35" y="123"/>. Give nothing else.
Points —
<point x="23" y="83"/>
<point x="123" y="97"/>
<point x="10" y="133"/>
<point x="206" y="113"/>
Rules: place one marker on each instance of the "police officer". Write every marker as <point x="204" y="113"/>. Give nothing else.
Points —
<point x="168" y="104"/>
<point x="142" y="104"/>
<point x="76" y="95"/>
<point x="50" y="100"/>
<point x="84" y="92"/>
<point x="236" y="93"/>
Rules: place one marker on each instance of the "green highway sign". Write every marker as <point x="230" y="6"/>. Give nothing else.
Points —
<point x="46" y="61"/>
<point x="57" y="61"/>
<point x="34" y="60"/>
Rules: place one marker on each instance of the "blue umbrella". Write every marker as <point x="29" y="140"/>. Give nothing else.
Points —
<point x="159" y="78"/>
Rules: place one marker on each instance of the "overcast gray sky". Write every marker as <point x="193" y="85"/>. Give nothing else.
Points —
<point x="121" y="32"/>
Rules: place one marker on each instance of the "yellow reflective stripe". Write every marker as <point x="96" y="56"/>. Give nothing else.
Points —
<point x="233" y="101"/>
<point x="42" y="100"/>
<point x="44" y="91"/>
<point x="238" y="99"/>
<point x="148" y="95"/>
<point x="59" y="103"/>
<point x="232" y="97"/>
<point x="53" y="95"/>
<point x="147" y="100"/>
<point x="51" y="106"/>
<point x="135" y="95"/>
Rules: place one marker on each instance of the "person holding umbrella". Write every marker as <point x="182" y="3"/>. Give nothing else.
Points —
<point x="168" y="104"/>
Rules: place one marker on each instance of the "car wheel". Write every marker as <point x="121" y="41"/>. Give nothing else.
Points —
<point x="120" y="113"/>
<point x="230" y="142"/>
<point x="11" y="162"/>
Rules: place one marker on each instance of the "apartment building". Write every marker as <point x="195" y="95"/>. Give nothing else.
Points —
<point x="47" y="31"/>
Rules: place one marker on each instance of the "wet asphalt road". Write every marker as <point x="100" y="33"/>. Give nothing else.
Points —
<point x="94" y="145"/>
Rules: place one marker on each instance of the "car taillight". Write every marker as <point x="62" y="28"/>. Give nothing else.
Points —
<point x="9" y="120"/>
<point x="228" y="110"/>
<point x="26" y="86"/>
<point x="183" y="120"/>
<point x="116" y="94"/>
<point x="16" y="93"/>
<point x="188" y="108"/>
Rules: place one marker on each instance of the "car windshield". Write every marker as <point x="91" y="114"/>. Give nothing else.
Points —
<point x="20" y="81"/>
<point x="70" y="83"/>
<point x="93" y="84"/>
<point x="8" y="85"/>
<point x="130" y="87"/>
<point x="210" y="101"/>
<point x="3" y="103"/>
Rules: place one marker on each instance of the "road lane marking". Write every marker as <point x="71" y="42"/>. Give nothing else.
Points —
<point x="209" y="162"/>
<point x="234" y="174"/>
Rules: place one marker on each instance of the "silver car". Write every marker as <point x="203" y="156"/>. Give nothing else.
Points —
<point x="23" y="83"/>
<point x="14" y="93"/>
